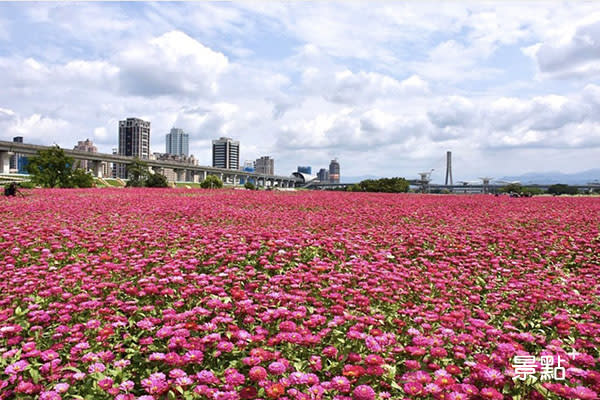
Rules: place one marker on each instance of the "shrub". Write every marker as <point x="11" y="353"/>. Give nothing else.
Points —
<point x="157" y="180"/>
<point x="211" y="182"/>
<point x="81" y="179"/>
<point x="561" y="188"/>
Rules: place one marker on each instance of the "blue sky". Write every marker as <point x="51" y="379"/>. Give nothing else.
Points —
<point x="386" y="87"/>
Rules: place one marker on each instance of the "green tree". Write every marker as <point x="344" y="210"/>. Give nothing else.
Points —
<point x="81" y="179"/>
<point x="387" y="185"/>
<point x="249" y="185"/>
<point x="211" y="182"/>
<point x="137" y="173"/>
<point x="51" y="168"/>
<point x="512" y="188"/>
<point x="532" y="191"/>
<point x="561" y="188"/>
<point x="157" y="180"/>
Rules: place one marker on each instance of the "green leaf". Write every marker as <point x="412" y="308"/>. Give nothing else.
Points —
<point x="72" y="369"/>
<point x="35" y="375"/>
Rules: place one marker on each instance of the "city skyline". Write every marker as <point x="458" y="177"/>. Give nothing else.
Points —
<point x="508" y="88"/>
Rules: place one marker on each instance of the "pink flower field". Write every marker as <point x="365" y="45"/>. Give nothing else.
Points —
<point x="199" y="294"/>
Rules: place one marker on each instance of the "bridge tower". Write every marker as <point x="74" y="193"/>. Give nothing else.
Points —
<point x="449" y="168"/>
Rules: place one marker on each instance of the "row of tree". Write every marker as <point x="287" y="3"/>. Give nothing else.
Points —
<point x="385" y="185"/>
<point x="401" y="185"/>
<point x="557" y="189"/>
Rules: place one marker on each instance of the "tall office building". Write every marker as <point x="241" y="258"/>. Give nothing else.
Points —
<point x="305" y="169"/>
<point x="134" y="141"/>
<point x="334" y="171"/>
<point x="177" y="142"/>
<point x="226" y="153"/>
<point x="88" y="146"/>
<point x="265" y="165"/>
<point x="248" y="166"/>
<point x="323" y="175"/>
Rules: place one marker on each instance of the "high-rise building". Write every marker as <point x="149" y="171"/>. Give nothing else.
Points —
<point x="306" y="169"/>
<point x="248" y="166"/>
<point x="88" y="146"/>
<point x="323" y="175"/>
<point x="134" y="141"/>
<point x="334" y="171"/>
<point x="177" y="142"/>
<point x="226" y="153"/>
<point x="265" y="165"/>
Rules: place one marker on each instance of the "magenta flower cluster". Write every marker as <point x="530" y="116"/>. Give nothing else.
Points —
<point x="227" y="295"/>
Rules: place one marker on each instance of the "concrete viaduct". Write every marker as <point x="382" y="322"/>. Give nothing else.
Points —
<point x="185" y="172"/>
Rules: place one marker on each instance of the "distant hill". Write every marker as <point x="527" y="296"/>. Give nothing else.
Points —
<point x="543" y="178"/>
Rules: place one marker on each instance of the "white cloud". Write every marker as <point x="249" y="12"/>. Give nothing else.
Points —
<point x="452" y="111"/>
<point x="575" y="55"/>
<point x="100" y="133"/>
<point x="42" y="129"/>
<point x="350" y="129"/>
<point x="171" y="64"/>
<point x="305" y="82"/>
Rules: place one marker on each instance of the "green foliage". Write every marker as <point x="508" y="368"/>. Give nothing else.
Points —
<point x="387" y="185"/>
<point x="249" y="185"/>
<point x="512" y="188"/>
<point x="137" y="173"/>
<point x="27" y="185"/>
<point x="533" y="191"/>
<point x="522" y="190"/>
<point x="51" y="168"/>
<point x="561" y="188"/>
<point x="81" y="179"/>
<point x="211" y="182"/>
<point x="157" y="180"/>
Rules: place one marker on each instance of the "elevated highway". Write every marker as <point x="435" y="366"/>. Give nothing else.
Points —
<point x="185" y="172"/>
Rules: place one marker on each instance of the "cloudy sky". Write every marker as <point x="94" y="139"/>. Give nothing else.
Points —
<point x="385" y="87"/>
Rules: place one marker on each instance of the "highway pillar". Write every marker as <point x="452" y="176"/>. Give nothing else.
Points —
<point x="97" y="168"/>
<point x="5" y="162"/>
<point x="180" y="175"/>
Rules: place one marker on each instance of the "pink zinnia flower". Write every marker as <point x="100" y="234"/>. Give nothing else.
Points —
<point x="341" y="384"/>
<point x="96" y="367"/>
<point x="277" y="368"/>
<point x="257" y="373"/>
<point x="491" y="393"/>
<point x="413" y="388"/>
<point x="105" y="383"/>
<point x="61" y="387"/>
<point x="50" y="395"/>
<point x="363" y="392"/>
